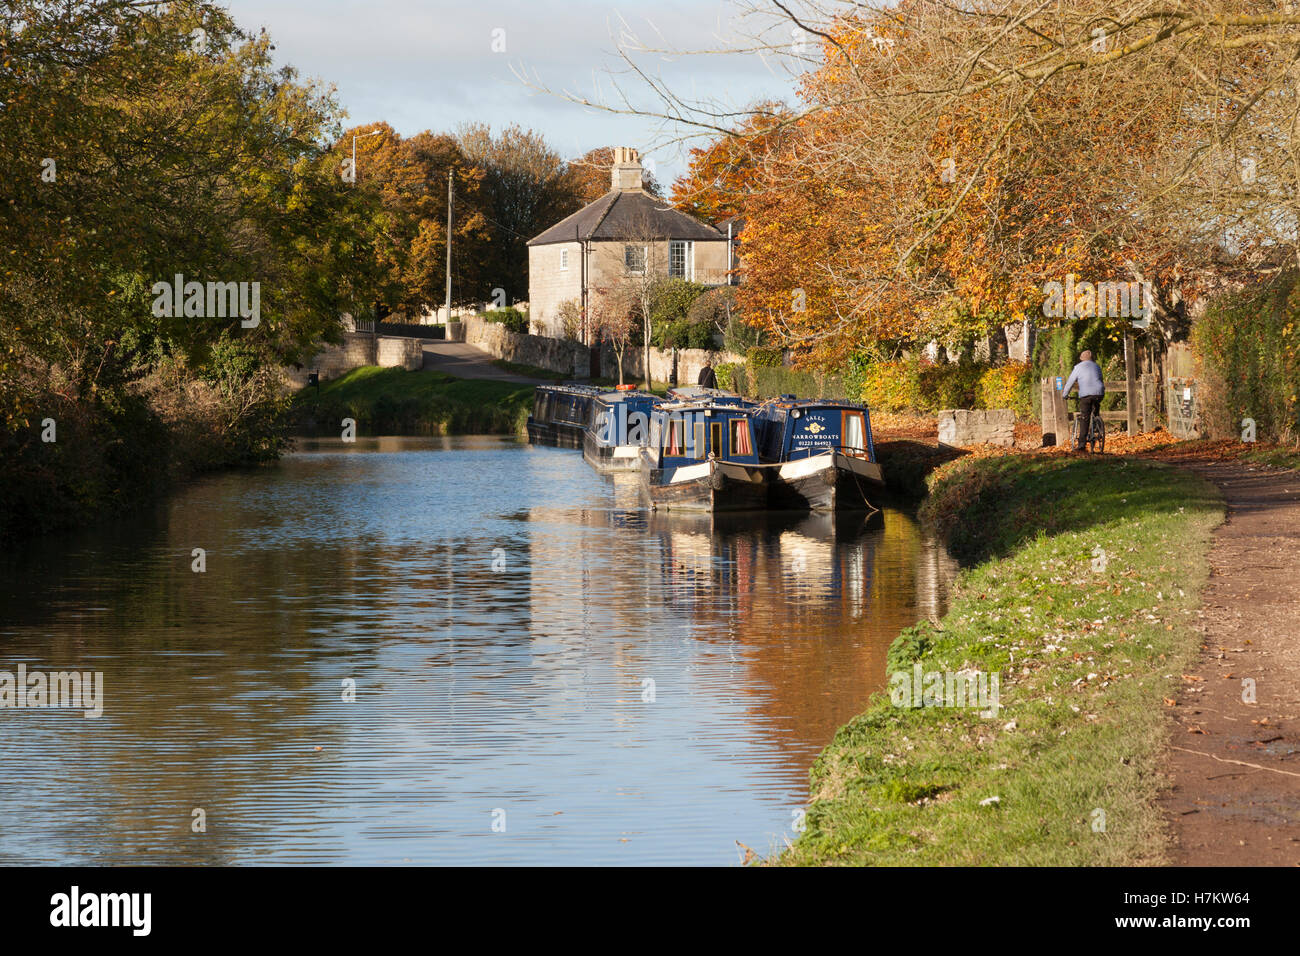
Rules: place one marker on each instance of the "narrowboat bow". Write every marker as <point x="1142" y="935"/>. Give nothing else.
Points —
<point x="619" y="429"/>
<point x="823" y="452"/>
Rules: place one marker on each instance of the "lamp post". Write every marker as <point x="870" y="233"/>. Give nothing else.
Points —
<point x="374" y="329"/>
<point x="373" y="132"/>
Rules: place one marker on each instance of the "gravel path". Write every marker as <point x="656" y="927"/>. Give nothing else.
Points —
<point x="1236" y="764"/>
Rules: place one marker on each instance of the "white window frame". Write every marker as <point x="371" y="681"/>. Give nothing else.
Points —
<point x="645" y="259"/>
<point x="564" y="260"/>
<point x="688" y="259"/>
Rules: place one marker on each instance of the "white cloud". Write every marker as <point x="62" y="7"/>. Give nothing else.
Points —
<point x="430" y="65"/>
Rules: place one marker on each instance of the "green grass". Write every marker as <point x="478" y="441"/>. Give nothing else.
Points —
<point x="394" y="401"/>
<point x="1085" y="658"/>
<point x="1277" y="456"/>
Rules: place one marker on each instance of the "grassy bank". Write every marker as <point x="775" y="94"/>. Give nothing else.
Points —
<point x="1087" y="650"/>
<point x="395" y="401"/>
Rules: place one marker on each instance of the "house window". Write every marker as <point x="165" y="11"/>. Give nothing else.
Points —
<point x="564" y="260"/>
<point x="681" y="264"/>
<point x="634" y="258"/>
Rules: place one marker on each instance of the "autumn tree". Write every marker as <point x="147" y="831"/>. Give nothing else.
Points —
<point x="145" y="142"/>
<point x="614" y="314"/>
<point x="943" y="161"/>
<point x="404" y="182"/>
<point x="722" y="174"/>
<point x="526" y="189"/>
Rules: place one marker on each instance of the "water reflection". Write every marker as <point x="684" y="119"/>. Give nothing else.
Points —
<point x="523" y="635"/>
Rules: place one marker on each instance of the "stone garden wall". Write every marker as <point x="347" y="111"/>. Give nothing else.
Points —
<point x="994" y="426"/>
<point x="358" y="348"/>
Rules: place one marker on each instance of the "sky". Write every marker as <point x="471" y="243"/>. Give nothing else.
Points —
<point x="430" y="64"/>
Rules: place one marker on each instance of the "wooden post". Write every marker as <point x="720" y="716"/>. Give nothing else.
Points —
<point x="1048" y="416"/>
<point x="1130" y="383"/>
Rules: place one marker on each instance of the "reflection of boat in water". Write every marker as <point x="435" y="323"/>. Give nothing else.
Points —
<point x="824" y="454"/>
<point x="769" y="566"/>
<point x="701" y="457"/>
<point x="561" y="414"/>
<point x="822" y="526"/>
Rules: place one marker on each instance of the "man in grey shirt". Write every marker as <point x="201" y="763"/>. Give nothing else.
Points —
<point x="1087" y="375"/>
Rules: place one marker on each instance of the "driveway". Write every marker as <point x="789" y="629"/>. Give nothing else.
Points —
<point x="469" y="361"/>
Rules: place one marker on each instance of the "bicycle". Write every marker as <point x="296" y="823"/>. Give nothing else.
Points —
<point x="1096" y="437"/>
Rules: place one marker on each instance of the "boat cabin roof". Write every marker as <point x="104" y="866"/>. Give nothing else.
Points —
<point x="668" y="407"/>
<point x="789" y="402"/>
<point x="697" y="393"/>
<point x="570" y="388"/>
<point x="609" y="398"/>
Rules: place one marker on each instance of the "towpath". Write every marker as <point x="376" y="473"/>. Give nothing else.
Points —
<point x="1235" y="762"/>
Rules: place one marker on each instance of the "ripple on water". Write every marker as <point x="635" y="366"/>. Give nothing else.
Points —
<point x="528" y="649"/>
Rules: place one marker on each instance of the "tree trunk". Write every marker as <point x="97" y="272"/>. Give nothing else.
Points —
<point x="647" y="350"/>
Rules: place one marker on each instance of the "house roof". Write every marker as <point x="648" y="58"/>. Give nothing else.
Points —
<point x="627" y="215"/>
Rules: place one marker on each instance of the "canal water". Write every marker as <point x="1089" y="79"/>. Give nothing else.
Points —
<point x="432" y="651"/>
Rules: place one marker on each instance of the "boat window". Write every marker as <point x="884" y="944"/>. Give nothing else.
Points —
<point x="741" y="443"/>
<point x="699" y="440"/>
<point x="674" y="438"/>
<point x="715" y="440"/>
<point x="854" y="434"/>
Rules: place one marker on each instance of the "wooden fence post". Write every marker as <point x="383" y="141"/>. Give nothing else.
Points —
<point x="1130" y="383"/>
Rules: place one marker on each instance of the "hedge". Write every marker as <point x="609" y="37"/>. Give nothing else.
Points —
<point x="1249" y="348"/>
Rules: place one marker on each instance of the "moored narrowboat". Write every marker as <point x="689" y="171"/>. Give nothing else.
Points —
<point x="619" y="429"/>
<point x="701" y="456"/>
<point x="823" y="452"/>
<point x="561" y="414"/>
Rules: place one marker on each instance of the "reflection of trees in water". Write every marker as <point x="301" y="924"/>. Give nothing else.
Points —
<point x="220" y="686"/>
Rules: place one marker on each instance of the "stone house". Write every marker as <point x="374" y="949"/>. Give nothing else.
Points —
<point x="627" y="235"/>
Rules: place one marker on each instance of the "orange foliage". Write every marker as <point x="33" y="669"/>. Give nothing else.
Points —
<point x="862" y="231"/>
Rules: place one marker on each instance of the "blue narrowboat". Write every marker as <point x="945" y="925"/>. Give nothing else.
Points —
<point x="702" y="456"/>
<point x="561" y="414"/>
<point x="619" y="429"/>
<point x="823" y="451"/>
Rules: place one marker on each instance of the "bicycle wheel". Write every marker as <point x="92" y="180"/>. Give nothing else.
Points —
<point x="1074" y="433"/>
<point x="1098" y="434"/>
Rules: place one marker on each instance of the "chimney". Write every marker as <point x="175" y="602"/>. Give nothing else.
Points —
<point x="626" y="172"/>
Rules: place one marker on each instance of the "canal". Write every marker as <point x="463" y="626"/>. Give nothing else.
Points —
<point x="435" y="651"/>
